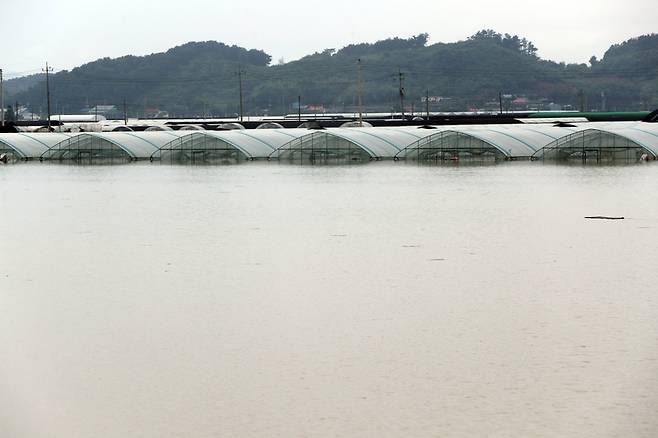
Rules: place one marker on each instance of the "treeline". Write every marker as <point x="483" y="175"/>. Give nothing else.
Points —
<point x="198" y="79"/>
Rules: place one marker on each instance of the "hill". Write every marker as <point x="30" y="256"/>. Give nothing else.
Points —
<point x="21" y="84"/>
<point x="198" y="79"/>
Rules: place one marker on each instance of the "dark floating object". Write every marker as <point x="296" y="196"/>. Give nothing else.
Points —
<point x="609" y="218"/>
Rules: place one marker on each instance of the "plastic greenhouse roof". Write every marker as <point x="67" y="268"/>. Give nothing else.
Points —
<point x="33" y="145"/>
<point x="381" y="142"/>
<point x="517" y="140"/>
<point x="139" y="145"/>
<point x="512" y="140"/>
<point x="643" y="134"/>
<point x="377" y="142"/>
<point x="257" y="143"/>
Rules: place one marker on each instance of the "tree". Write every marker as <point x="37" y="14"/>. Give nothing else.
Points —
<point x="511" y="42"/>
<point x="420" y="40"/>
<point x="199" y="77"/>
<point x="486" y="34"/>
<point x="10" y="116"/>
<point x="528" y="48"/>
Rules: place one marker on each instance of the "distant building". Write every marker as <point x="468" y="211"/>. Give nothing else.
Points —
<point x="23" y="113"/>
<point x="102" y="109"/>
<point x="520" y="102"/>
<point x="316" y="108"/>
<point x="155" y="113"/>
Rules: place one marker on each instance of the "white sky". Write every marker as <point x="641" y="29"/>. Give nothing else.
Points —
<point x="68" y="33"/>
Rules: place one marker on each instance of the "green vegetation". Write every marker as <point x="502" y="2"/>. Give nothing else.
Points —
<point x="198" y="79"/>
<point x="9" y="114"/>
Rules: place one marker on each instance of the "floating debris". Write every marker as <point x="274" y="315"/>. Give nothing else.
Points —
<point x="609" y="218"/>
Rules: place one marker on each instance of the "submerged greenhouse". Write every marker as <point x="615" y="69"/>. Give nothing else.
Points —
<point x="482" y="143"/>
<point x="22" y="146"/>
<point x="595" y="142"/>
<point x="111" y="147"/>
<point x="349" y="145"/>
<point x="629" y="142"/>
<point x="225" y="147"/>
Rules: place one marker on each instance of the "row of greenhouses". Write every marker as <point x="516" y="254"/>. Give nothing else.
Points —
<point x="583" y="141"/>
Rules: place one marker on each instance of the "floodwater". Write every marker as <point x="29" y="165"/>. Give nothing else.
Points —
<point x="381" y="300"/>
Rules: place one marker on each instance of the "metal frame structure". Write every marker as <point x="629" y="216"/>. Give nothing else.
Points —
<point x="109" y="148"/>
<point x="495" y="143"/>
<point x="600" y="142"/>
<point x="452" y="145"/>
<point x="25" y="147"/>
<point x="324" y="148"/>
<point x="349" y="145"/>
<point x="629" y="143"/>
<point x="225" y="147"/>
<point x="199" y="148"/>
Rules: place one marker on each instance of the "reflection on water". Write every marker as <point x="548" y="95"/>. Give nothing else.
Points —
<point x="378" y="300"/>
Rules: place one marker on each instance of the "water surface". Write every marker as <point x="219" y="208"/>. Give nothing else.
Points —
<point x="379" y="300"/>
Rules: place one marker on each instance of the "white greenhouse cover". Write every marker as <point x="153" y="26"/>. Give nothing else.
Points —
<point x="377" y="142"/>
<point x="517" y="141"/>
<point x="257" y="143"/>
<point x="514" y="141"/>
<point x="139" y="145"/>
<point x="29" y="146"/>
<point x="644" y="134"/>
<point x="641" y="133"/>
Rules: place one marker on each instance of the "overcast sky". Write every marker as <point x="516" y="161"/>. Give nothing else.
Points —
<point x="69" y="33"/>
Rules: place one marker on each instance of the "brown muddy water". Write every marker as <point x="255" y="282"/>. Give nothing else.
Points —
<point x="369" y="301"/>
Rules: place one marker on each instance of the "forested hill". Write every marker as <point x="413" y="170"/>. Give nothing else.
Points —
<point x="202" y="78"/>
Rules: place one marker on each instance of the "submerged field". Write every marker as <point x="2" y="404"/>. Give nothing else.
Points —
<point x="379" y="300"/>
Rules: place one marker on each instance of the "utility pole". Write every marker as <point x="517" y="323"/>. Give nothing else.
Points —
<point x="240" y="73"/>
<point x="2" y="100"/>
<point x="500" y="102"/>
<point x="48" y="70"/>
<point x="427" y="103"/>
<point x="125" y="112"/>
<point x="360" y="90"/>
<point x="581" y="95"/>
<point x="401" y="77"/>
<point x="299" y="108"/>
